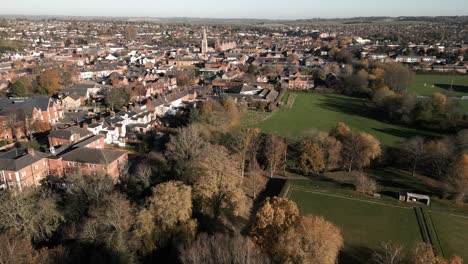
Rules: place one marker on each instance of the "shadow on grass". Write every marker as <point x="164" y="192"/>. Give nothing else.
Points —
<point x="355" y="254"/>
<point x="404" y="132"/>
<point x="393" y="182"/>
<point x="349" y="105"/>
<point x="455" y="88"/>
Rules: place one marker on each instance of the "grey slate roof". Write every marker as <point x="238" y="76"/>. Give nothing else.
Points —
<point x="18" y="158"/>
<point x="94" y="156"/>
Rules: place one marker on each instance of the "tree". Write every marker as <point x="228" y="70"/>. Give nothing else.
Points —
<point x="84" y="191"/>
<point x="340" y="131"/>
<point x="117" y="97"/>
<point x="166" y="216"/>
<point x="31" y="213"/>
<point x="359" y="149"/>
<point x="222" y="248"/>
<point x="275" y="217"/>
<point x="438" y="155"/>
<point x="457" y="180"/>
<point x="275" y="153"/>
<point x="357" y="84"/>
<point x="312" y="240"/>
<point x="424" y="254"/>
<point x="49" y="81"/>
<point x="365" y="184"/>
<point x="388" y="253"/>
<point x="312" y="158"/>
<point x="16" y="249"/>
<point x="413" y="150"/>
<point x="187" y="145"/>
<point x="331" y="150"/>
<point x="22" y="87"/>
<point x="109" y="224"/>
<point x="217" y="184"/>
<point x="245" y="144"/>
<point x="397" y="77"/>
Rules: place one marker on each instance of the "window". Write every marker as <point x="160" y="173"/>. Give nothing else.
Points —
<point x="23" y="174"/>
<point x="69" y="163"/>
<point x="38" y="177"/>
<point x="9" y="175"/>
<point x="36" y="167"/>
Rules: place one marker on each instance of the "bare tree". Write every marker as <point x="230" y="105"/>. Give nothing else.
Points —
<point x="222" y="248"/>
<point x="413" y="149"/>
<point x="388" y="253"/>
<point x="187" y="145"/>
<point x="275" y="153"/>
<point x="245" y="144"/>
<point x="365" y="184"/>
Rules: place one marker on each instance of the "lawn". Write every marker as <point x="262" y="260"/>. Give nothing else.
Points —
<point x="452" y="232"/>
<point x="364" y="224"/>
<point x="316" y="112"/>
<point x="441" y="84"/>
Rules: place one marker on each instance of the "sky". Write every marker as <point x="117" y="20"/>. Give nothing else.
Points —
<point x="269" y="9"/>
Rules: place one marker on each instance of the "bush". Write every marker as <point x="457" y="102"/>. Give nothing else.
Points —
<point x="3" y="143"/>
<point x="365" y="184"/>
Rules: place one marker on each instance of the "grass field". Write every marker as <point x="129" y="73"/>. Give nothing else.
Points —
<point x="316" y="112"/>
<point x="452" y="232"/>
<point x="364" y="224"/>
<point x="366" y="221"/>
<point x="441" y="84"/>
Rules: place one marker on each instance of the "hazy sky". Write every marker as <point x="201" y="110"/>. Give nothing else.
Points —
<point x="273" y="9"/>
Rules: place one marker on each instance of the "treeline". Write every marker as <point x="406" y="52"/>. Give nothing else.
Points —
<point x="45" y="81"/>
<point x="386" y="85"/>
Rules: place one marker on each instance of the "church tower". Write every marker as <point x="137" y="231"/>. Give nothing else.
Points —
<point x="204" y="42"/>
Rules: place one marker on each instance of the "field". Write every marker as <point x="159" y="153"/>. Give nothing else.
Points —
<point x="366" y="221"/>
<point x="441" y="84"/>
<point x="316" y="112"/>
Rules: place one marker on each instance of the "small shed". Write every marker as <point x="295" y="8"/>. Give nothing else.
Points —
<point x="416" y="198"/>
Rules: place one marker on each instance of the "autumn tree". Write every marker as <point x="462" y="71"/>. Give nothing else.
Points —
<point x="217" y="184"/>
<point x="331" y="150"/>
<point x="423" y="253"/>
<point x="275" y="217"/>
<point x="312" y="240"/>
<point x="340" y="131"/>
<point x="22" y="87"/>
<point x="245" y="143"/>
<point x="222" y="248"/>
<point x="457" y="178"/>
<point x="166" y="217"/>
<point x="359" y="149"/>
<point x="312" y="158"/>
<point x="275" y="154"/>
<point x="413" y="150"/>
<point x="31" y="213"/>
<point x="49" y="81"/>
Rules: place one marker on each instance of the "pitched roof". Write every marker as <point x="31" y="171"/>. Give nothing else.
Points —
<point x="93" y="156"/>
<point x="19" y="158"/>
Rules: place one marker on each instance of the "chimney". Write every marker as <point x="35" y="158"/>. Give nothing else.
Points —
<point x="94" y="121"/>
<point x="52" y="150"/>
<point x="31" y="151"/>
<point x="85" y="125"/>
